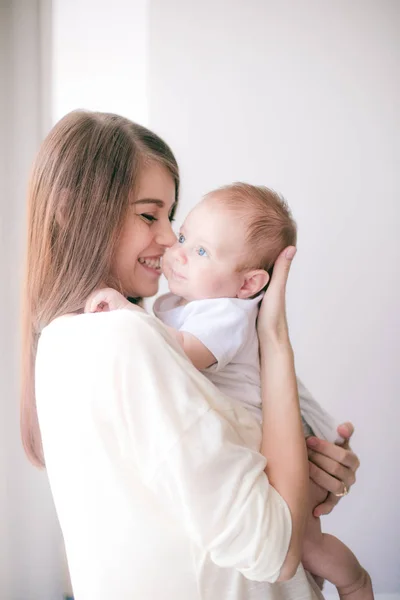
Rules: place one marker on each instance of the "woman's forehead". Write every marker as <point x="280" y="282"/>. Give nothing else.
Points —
<point x="157" y="183"/>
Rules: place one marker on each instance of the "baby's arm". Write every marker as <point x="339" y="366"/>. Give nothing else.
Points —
<point x="196" y="351"/>
<point x="212" y="332"/>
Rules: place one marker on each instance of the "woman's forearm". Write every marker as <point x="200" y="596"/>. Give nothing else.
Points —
<point x="283" y="441"/>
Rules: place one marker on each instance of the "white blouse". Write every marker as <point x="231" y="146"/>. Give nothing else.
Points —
<point x="156" y="476"/>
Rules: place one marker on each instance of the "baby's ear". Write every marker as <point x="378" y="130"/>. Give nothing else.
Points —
<point x="254" y="282"/>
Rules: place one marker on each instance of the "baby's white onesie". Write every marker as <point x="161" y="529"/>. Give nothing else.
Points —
<point x="227" y="327"/>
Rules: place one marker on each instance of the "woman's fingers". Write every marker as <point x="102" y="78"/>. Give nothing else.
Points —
<point x="281" y="269"/>
<point x="346" y="430"/>
<point x="325" y="480"/>
<point x="327" y="506"/>
<point x="336" y="453"/>
<point x="333" y="468"/>
<point x="272" y="316"/>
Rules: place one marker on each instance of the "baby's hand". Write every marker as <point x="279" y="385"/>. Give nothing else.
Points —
<point x="105" y="300"/>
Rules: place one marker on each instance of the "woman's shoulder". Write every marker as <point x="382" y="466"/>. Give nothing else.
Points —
<point x="105" y="330"/>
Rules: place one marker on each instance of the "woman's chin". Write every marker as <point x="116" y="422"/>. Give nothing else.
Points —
<point x="149" y="290"/>
<point x="144" y="290"/>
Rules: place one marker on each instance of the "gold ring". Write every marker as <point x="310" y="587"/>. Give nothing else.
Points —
<point x="344" y="493"/>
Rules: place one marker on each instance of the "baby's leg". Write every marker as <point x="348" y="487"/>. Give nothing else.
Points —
<point x="327" y="557"/>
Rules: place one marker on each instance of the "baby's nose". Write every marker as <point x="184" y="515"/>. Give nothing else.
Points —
<point x="180" y="254"/>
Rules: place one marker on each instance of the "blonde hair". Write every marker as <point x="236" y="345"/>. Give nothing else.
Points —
<point x="80" y="188"/>
<point x="267" y="218"/>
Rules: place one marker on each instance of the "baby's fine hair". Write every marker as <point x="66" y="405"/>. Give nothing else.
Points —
<point x="267" y="217"/>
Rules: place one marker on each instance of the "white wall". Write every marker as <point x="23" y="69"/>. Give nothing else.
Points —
<point x="99" y="60"/>
<point x="304" y="97"/>
<point x="4" y="190"/>
<point x="29" y="534"/>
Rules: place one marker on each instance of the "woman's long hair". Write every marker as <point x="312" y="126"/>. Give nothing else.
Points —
<point x="81" y="185"/>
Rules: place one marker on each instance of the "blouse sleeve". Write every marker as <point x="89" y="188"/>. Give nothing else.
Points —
<point x="191" y="454"/>
<point x="220" y="325"/>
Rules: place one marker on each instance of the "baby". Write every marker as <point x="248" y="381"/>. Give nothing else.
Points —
<point x="217" y="273"/>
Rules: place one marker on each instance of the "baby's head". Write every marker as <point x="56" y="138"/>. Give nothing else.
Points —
<point x="228" y="243"/>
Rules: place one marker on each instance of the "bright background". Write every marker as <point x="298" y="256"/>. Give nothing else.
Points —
<point x="301" y="96"/>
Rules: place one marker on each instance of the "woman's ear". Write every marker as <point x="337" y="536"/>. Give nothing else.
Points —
<point x="254" y="282"/>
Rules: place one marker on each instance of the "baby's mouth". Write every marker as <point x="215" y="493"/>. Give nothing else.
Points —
<point x="178" y="276"/>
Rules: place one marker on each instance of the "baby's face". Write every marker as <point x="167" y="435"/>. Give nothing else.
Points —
<point x="204" y="261"/>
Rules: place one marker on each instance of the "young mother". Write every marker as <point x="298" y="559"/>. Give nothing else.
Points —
<point x="157" y="478"/>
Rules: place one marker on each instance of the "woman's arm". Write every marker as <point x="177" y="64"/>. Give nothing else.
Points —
<point x="283" y="438"/>
<point x="190" y="447"/>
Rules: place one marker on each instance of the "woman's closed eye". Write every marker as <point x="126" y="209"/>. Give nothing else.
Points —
<point x="148" y="218"/>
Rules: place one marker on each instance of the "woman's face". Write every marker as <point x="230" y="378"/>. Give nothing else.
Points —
<point x="145" y="234"/>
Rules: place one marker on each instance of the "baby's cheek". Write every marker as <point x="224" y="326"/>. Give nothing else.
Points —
<point x="210" y="284"/>
<point x="165" y="266"/>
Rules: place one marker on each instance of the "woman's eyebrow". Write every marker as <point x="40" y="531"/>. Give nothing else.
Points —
<point x="159" y="203"/>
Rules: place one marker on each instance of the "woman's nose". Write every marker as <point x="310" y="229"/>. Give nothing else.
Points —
<point x="165" y="236"/>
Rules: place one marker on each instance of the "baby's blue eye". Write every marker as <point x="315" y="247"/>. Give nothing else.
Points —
<point x="181" y="238"/>
<point x="201" y="251"/>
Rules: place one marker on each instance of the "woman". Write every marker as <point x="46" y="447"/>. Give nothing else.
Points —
<point x="157" y="479"/>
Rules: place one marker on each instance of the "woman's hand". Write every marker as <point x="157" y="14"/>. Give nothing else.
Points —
<point x="272" y="316"/>
<point x="332" y="467"/>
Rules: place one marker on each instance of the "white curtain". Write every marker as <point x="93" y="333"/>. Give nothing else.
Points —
<point x="30" y="541"/>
